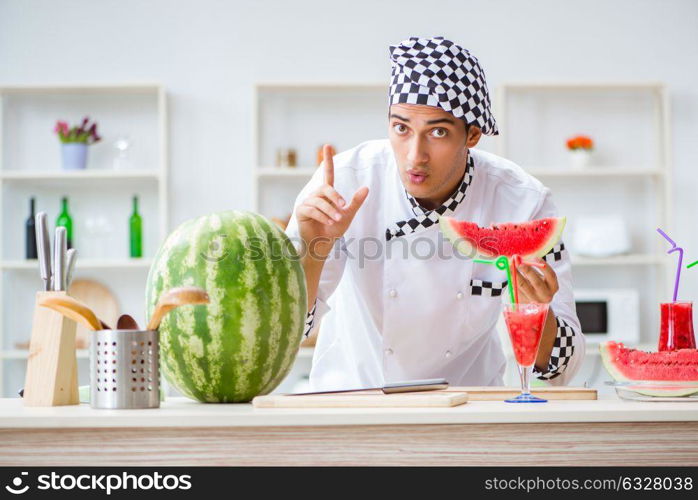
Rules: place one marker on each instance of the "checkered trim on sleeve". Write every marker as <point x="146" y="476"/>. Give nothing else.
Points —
<point x="309" y="321"/>
<point x="487" y="288"/>
<point x="555" y="253"/>
<point x="427" y="218"/>
<point x="563" y="349"/>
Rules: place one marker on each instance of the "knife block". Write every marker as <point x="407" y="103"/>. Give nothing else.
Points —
<point x="52" y="366"/>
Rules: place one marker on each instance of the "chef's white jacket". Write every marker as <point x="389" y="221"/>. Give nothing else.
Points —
<point x="412" y="307"/>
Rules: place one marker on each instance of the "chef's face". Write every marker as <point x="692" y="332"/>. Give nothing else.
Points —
<point x="431" y="148"/>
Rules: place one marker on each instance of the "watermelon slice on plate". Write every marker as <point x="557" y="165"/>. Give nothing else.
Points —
<point x="666" y="373"/>
<point x="528" y="239"/>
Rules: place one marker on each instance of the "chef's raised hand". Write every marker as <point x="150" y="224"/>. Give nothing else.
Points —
<point x="325" y="216"/>
<point x="534" y="286"/>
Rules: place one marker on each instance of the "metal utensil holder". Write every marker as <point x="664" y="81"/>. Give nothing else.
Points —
<point x="125" y="369"/>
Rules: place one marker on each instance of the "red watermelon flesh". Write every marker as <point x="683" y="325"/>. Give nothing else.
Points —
<point x="528" y="239"/>
<point x="624" y="364"/>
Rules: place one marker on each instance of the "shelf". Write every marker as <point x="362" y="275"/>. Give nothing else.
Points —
<point x="87" y="174"/>
<point x="82" y="264"/>
<point x="314" y="85"/>
<point x="285" y="171"/>
<point x="596" y="172"/>
<point x="583" y="86"/>
<point x="536" y="172"/>
<point x="305" y="353"/>
<point x="23" y="353"/>
<point x="621" y="260"/>
<point x="97" y="88"/>
<point x="597" y="352"/>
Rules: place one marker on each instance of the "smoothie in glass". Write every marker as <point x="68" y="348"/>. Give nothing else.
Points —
<point x="676" y="327"/>
<point x="525" y="325"/>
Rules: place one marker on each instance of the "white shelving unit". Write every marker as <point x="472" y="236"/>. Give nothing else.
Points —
<point x="30" y="166"/>
<point x="84" y="175"/>
<point x="303" y="116"/>
<point x="84" y="264"/>
<point x="630" y="171"/>
<point x="304" y="172"/>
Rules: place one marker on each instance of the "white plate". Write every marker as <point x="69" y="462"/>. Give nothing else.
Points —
<point x="637" y="390"/>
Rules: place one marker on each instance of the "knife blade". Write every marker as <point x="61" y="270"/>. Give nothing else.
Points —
<point x="60" y="247"/>
<point x="434" y="384"/>
<point x="43" y="249"/>
<point x="71" y="256"/>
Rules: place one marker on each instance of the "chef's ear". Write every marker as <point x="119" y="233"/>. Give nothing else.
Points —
<point x="472" y="135"/>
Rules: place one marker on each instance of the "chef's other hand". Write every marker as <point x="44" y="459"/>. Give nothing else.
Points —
<point x="325" y="216"/>
<point x="534" y="286"/>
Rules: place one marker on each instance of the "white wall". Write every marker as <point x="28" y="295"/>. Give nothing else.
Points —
<point x="209" y="53"/>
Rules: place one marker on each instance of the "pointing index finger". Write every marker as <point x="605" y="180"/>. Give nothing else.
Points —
<point x="328" y="164"/>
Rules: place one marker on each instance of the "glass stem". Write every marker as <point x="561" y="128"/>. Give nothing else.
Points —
<point x="525" y="373"/>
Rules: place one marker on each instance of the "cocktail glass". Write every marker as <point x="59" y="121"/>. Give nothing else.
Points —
<point x="676" y="327"/>
<point x="525" y="324"/>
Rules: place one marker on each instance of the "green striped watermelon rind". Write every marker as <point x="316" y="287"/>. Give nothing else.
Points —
<point x="244" y="342"/>
<point x="661" y="385"/>
<point x="449" y="227"/>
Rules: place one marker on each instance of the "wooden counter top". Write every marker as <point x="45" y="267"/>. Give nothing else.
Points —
<point x="183" y="412"/>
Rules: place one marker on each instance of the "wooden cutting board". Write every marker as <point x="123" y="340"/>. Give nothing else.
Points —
<point x="453" y="396"/>
<point x="363" y="399"/>
<point x="100" y="299"/>
<point x="502" y="393"/>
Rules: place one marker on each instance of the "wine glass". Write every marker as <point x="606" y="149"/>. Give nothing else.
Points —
<point x="525" y="324"/>
<point x="122" y="160"/>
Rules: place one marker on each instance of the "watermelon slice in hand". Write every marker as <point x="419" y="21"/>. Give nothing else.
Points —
<point x="633" y="365"/>
<point x="528" y="239"/>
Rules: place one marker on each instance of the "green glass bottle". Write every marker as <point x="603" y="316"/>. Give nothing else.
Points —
<point x="64" y="220"/>
<point x="135" y="231"/>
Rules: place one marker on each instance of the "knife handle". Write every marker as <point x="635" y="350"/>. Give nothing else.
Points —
<point x="433" y="384"/>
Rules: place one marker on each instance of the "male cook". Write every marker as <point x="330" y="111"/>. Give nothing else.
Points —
<point x="397" y="301"/>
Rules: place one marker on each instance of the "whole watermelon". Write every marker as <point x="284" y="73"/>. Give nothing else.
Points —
<point x="244" y="342"/>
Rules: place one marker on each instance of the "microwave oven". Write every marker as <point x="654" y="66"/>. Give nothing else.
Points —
<point x="609" y="314"/>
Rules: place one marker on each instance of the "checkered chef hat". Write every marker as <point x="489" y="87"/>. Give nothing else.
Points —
<point x="437" y="72"/>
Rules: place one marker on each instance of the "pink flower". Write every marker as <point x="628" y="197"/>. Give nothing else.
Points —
<point x="61" y="127"/>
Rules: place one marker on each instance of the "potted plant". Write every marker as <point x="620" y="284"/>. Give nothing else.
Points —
<point x="75" y="141"/>
<point x="580" y="148"/>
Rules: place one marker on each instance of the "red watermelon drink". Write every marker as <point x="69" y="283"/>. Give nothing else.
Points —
<point x="525" y="324"/>
<point x="676" y="327"/>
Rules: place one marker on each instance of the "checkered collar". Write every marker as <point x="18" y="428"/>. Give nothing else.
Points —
<point x="425" y="218"/>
